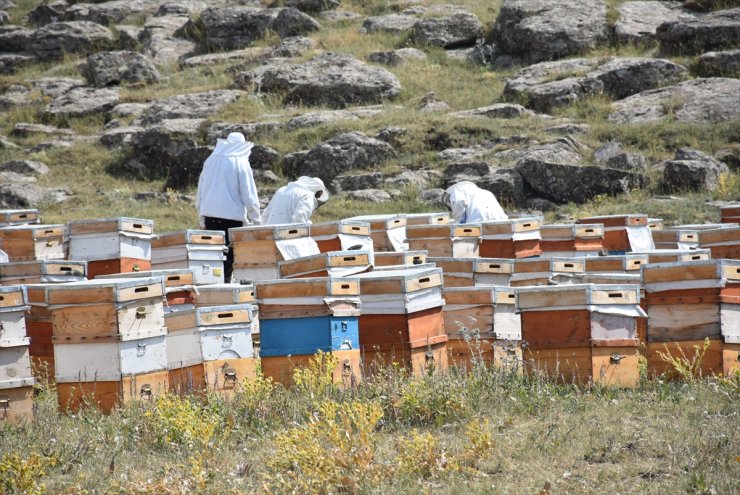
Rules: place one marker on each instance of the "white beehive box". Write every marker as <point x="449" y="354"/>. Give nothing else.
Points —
<point x="110" y="238"/>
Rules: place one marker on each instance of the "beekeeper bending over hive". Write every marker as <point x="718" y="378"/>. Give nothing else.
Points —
<point x="470" y="204"/>
<point x="296" y="202"/>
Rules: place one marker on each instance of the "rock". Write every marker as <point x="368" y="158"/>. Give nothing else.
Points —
<point x="157" y="148"/>
<point x="565" y="150"/>
<point x="537" y="30"/>
<point x="338" y="155"/>
<point x="56" y="144"/>
<point x="14" y="38"/>
<point x="330" y="79"/>
<point x="392" y="23"/>
<point x="313" y="119"/>
<point x="392" y="135"/>
<point x="190" y="106"/>
<point x="19" y="195"/>
<point x="418" y="179"/>
<point x="719" y="64"/>
<point x="48" y="12"/>
<point x="713" y="31"/>
<point x="462" y="29"/>
<point x="469" y="169"/>
<point x="312" y="6"/>
<point x="55" y="40"/>
<point x="11" y="62"/>
<point x="79" y="102"/>
<point x="181" y="8"/>
<point x="55" y="87"/>
<point x="430" y="103"/>
<point x="540" y="204"/>
<point x="119" y="137"/>
<point x="433" y="196"/>
<point x="506" y="184"/>
<point x="339" y="16"/>
<point x="124" y="110"/>
<point x="13" y="96"/>
<point x="160" y="41"/>
<point x="238" y="27"/>
<point x="264" y="158"/>
<point x="372" y="180"/>
<point x="294" y="46"/>
<point x="569" y="129"/>
<point x="472" y="153"/>
<point x="112" y="12"/>
<point x="25" y="129"/>
<point x="251" y="130"/>
<point x="497" y="111"/>
<point x="550" y="84"/>
<point x="129" y="37"/>
<point x="7" y="5"/>
<point x="187" y="167"/>
<point x="372" y="195"/>
<point x="603" y="153"/>
<point x="695" y="101"/>
<point x="266" y="177"/>
<point x="4" y="18"/>
<point x="638" y="21"/>
<point x="730" y="156"/>
<point x="397" y="57"/>
<point x="7" y="144"/>
<point x="692" y="170"/>
<point x="247" y="54"/>
<point x="16" y="178"/>
<point x="113" y="68"/>
<point x="24" y="167"/>
<point x="628" y="161"/>
<point x="562" y="183"/>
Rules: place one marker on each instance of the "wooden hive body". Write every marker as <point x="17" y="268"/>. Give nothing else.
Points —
<point x="517" y="238"/>
<point x="325" y="264"/>
<point x="388" y="232"/>
<point x="621" y="232"/>
<point x="347" y="373"/>
<point x="571" y="239"/>
<point x="342" y="235"/>
<point x="42" y="271"/>
<point x="112" y="245"/>
<point x="442" y="240"/>
<point x="408" y="258"/>
<point x="178" y="283"/>
<point x="200" y="250"/>
<point x="8" y="218"/>
<point x="16" y="378"/>
<point x="33" y="242"/>
<point x="730" y="214"/>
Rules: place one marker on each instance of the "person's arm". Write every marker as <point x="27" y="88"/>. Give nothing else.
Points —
<point x="459" y="207"/>
<point x="304" y="208"/>
<point x="248" y="194"/>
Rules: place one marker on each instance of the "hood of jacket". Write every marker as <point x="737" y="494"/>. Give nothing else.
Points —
<point x="464" y="188"/>
<point x="314" y="184"/>
<point x="234" y="145"/>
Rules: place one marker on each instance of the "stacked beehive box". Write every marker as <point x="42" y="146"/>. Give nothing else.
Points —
<point x="625" y="263"/>
<point x="300" y="317"/>
<point x="33" y="242"/>
<point x="684" y="237"/>
<point x="688" y="302"/>
<point x="199" y="250"/>
<point x="655" y="224"/>
<point x="507" y="329"/>
<point x="585" y="333"/>
<point x="730" y="213"/>
<point x="109" y="341"/>
<point x="468" y="320"/>
<point x="387" y="231"/>
<point x="469" y="272"/>
<point x="722" y="242"/>
<point x="334" y="263"/>
<point x="398" y="259"/>
<point x="436" y="218"/>
<point x="179" y="284"/>
<point x="402" y="319"/>
<point x="210" y="348"/>
<point x="43" y="271"/>
<point x="624" y="233"/>
<point x="673" y="255"/>
<point x="18" y="217"/>
<point x="518" y="238"/>
<point x="342" y="235"/>
<point x="226" y="294"/>
<point x="568" y="271"/>
<point x="259" y="248"/>
<point x="445" y="240"/>
<point x="531" y="271"/>
<point x="112" y="245"/>
<point x="16" y="380"/>
<point x="39" y="330"/>
<point x="568" y="240"/>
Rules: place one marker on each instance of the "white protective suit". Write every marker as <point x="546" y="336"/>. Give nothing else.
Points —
<point x="295" y="202"/>
<point x="471" y="204"/>
<point x="226" y="187"/>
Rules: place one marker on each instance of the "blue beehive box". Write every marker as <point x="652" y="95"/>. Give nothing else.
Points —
<point x="300" y="336"/>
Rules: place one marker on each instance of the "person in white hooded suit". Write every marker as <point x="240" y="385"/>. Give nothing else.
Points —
<point x="471" y="204"/>
<point x="296" y="202"/>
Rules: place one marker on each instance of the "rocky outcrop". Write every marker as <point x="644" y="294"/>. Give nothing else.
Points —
<point x="696" y="101"/>
<point x="54" y="87"/>
<point x="189" y="106"/>
<point x="538" y="30"/>
<point x="371" y="195"/>
<point x="109" y="13"/>
<point x="160" y="39"/>
<point x="26" y="129"/>
<point x="551" y="84"/>
<point x="55" y="40"/>
<point x="713" y="31"/>
<point x="293" y="46"/>
<point x="397" y="57"/>
<point x="11" y="62"/>
<point x="692" y="170"/>
<point x="497" y="111"/>
<point x="29" y="195"/>
<point x="356" y="182"/>
<point x="719" y="64"/>
<point x="330" y="79"/>
<point x="639" y="21"/>
<point x="312" y="6"/>
<point x="312" y="119"/>
<point x="113" y="68"/>
<point x="82" y="101"/>
<point x="454" y="31"/>
<point x="14" y="38"/>
<point x="251" y="130"/>
<point x="154" y="150"/>
<point x="392" y="23"/>
<point x="25" y="167"/>
<point x="48" y="12"/>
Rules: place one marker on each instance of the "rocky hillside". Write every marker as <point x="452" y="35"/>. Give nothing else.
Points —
<point x="110" y="108"/>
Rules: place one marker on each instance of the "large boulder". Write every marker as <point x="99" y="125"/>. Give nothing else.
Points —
<point x="397" y="57"/>
<point x="696" y="101"/>
<point x="220" y="130"/>
<point x="25" y="167"/>
<point x="638" y="21"/>
<point x="372" y="180"/>
<point x="14" y="38"/>
<point x="55" y="40"/>
<point x="54" y="87"/>
<point x="391" y="23"/>
<point x="293" y="46"/>
<point x="537" y="30"/>
<point x="190" y="106"/>
<point x="692" y="170"/>
<point x="79" y="102"/>
<point x="13" y="96"/>
<point x="330" y="79"/>
<point x="338" y="155"/>
<point x="48" y="12"/>
<point x="11" y="62"/>
<point x="719" y="64"/>
<point x="112" y="68"/>
<point x="312" y="6"/>
<point x="714" y="31"/>
<point x="155" y="149"/>
<point x="109" y="13"/>
<point x="550" y="84"/>
<point x="25" y="195"/>
<point x="565" y="150"/>
<point x="563" y="183"/>
<point x="454" y="31"/>
<point x="506" y="184"/>
<point x="238" y="27"/>
<point x="160" y="39"/>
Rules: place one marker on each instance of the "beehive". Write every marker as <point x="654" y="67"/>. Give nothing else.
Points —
<point x="42" y="271"/>
<point x="730" y="213"/>
<point x="567" y="271"/>
<point x="179" y="283"/>
<point x="33" y="242"/>
<point x="517" y="238"/>
<point x="387" y="231"/>
<point x="468" y="320"/>
<point x="568" y="240"/>
<point x="674" y="255"/>
<point x="199" y="250"/>
<point x="624" y="263"/>
<point x="335" y="263"/>
<point x="398" y="259"/>
<point x="18" y="217"/>
<point x="437" y="218"/>
<point x="531" y="271"/>
<point x="16" y="379"/>
<point x="624" y="233"/>
<point x="39" y="330"/>
<point x="723" y="242"/>
<point x="445" y="240"/>
<point x="342" y="235"/>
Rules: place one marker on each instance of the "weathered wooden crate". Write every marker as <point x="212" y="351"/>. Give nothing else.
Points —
<point x="567" y="271"/>
<point x="335" y="263"/>
<point x="407" y="258"/>
<point x="42" y="271"/>
<point x="15" y="360"/>
<point x="400" y="291"/>
<point x="9" y="218"/>
<point x="723" y="242"/>
<point x="445" y="239"/>
<point x="33" y="242"/>
<point x="387" y="231"/>
<point x="531" y="272"/>
<point x="347" y="371"/>
<point x="730" y="359"/>
<point x="110" y="239"/>
<point x="468" y="320"/>
<point x="224" y="294"/>
<point x="314" y="289"/>
<point x="16" y="401"/>
<point x="107" y="394"/>
<point x="493" y="271"/>
<point x="458" y="271"/>
<point x="342" y="235"/>
<point x="624" y="263"/>
<point x="439" y="218"/>
<point x="517" y="238"/>
<point x="657" y="364"/>
<point x="730" y="213"/>
<point x="623" y="233"/>
<point x="201" y="250"/>
<point x="676" y="238"/>
<point x="606" y="366"/>
<point x="675" y="255"/>
<point x="571" y="239"/>
<point x="116" y="266"/>
<point x="178" y="282"/>
<point x="655" y="224"/>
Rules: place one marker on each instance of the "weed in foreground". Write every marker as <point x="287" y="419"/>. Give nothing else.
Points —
<point x="23" y="476"/>
<point x="688" y="368"/>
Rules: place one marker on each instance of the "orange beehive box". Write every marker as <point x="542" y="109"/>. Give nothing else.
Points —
<point x="342" y="235"/>
<point x="42" y="271"/>
<point x="387" y="231"/>
<point x="730" y="213"/>
<point x="442" y="240"/>
<point x="571" y="239"/>
<point x="617" y="233"/>
<point x="517" y="238"/>
<point x="408" y="258"/>
<point x="346" y="373"/>
<point x="339" y="263"/>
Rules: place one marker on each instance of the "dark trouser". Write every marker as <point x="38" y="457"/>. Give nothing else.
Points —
<point x="224" y="224"/>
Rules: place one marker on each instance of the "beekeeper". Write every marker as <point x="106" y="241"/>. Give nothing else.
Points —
<point x="296" y="202"/>
<point x="227" y="195"/>
<point x="470" y="204"/>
